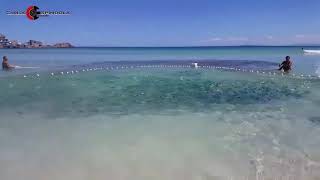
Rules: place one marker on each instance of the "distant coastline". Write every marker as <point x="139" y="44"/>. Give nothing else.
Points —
<point x="31" y="44"/>
<point x="233" y="46"/>
<point x="34" y="44"/>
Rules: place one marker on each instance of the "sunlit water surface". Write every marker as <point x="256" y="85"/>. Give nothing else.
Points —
<point x="159" y="123"/>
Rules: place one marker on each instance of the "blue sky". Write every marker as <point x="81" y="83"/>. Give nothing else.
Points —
<point x="167" y="22"/>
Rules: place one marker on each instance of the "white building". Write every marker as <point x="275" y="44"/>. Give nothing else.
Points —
<point x="3" y="41"/>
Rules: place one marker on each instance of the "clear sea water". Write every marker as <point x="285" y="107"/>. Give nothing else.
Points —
<point x="162" y="123"/>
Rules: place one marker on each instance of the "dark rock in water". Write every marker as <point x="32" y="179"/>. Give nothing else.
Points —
<point x="314" y="119"/>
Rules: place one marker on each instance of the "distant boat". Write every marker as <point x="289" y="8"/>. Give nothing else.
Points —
<point x="312" y="51"/>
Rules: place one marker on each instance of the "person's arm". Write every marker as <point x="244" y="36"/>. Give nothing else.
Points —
<point x="10" y="66"/>
<point x="280" y="65"/>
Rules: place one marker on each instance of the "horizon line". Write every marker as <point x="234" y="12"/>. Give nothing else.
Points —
<point x="195" y="46"/>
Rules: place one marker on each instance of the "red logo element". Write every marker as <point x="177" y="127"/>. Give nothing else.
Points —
<point x="32" y="12"/>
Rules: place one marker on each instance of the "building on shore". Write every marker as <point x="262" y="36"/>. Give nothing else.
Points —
<point x="62" y="45"/>
<point x="14" y="43"/>
<point x="2" y="37"/>
<point x="34" y="44"/>
<point x="3" y="41"/>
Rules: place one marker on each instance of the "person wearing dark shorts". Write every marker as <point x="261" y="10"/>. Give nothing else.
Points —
<point x="286" y="65"/>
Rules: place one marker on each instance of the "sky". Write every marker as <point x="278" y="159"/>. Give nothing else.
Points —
<point x="167" y="22"/>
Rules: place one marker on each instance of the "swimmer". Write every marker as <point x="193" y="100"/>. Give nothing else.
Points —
<point x="286" y="65"/>
<point x="5" y="64"/>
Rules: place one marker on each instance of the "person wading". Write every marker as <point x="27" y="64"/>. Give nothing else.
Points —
<point x="5" y="64"/>
<point x="286" y="65"/>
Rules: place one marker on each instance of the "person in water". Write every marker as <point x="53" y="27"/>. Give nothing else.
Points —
<point x="5" y="64"/>
<point x="286" y="65"/>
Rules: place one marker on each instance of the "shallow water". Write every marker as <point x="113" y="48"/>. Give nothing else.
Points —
<point x="48" y="59"/>
<point x="159" y="123"/>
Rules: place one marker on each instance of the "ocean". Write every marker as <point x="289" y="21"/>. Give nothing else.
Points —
<point x="145" y="113"/>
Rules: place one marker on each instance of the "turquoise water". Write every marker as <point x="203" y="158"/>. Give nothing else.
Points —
<point x="158" y="123"/>
<point x="51" y="58"/>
